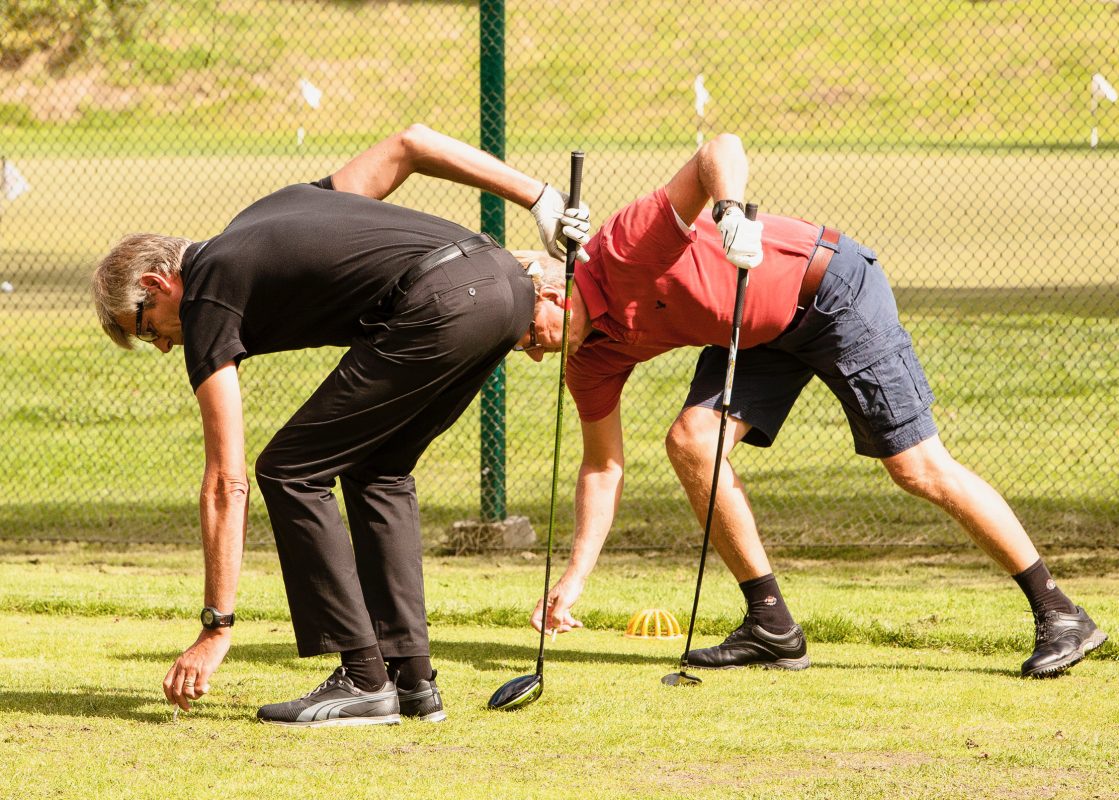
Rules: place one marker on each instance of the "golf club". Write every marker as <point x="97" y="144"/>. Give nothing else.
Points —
<point x="521" y="691"/>
<point x="682" y="677"/>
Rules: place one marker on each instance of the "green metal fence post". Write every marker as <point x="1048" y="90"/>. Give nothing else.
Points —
<point x="492" y="106"/>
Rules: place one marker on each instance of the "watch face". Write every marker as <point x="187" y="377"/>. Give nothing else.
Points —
<point x="207" y="617"/>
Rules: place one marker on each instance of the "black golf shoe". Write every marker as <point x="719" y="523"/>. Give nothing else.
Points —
<point x="1061" y="640"/>
<point x="336" y="701"/>
<point x="423" y="702"/>
<point x="753" y="646"/>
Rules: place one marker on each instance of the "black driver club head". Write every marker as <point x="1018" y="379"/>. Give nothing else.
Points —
<point x="680" y="678"/>
<point x="517" y="693"/>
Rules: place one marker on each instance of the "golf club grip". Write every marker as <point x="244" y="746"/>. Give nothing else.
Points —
<point x="576" y="189"/>
<point x="743" y="278"/>
<point x="736" y="321"/>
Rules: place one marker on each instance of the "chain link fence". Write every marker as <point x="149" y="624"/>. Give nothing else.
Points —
<point x="972" y="144"/>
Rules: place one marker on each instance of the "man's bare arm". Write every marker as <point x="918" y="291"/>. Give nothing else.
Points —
<point x="597" y="494"/>
<point x="224" y="511"/>
<point x="719" y="170"/>
<point x="378" y="171"/>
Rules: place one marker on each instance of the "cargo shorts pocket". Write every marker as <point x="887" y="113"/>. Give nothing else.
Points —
<point x="886" y="379"/>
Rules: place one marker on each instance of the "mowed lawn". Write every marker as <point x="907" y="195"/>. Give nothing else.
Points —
<point x="914" y="690"/>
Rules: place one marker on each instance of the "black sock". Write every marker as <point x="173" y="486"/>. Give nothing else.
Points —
<point x="1041" y="590"/>
<point x="765" y="605"/>
<point x="410" y="670"/>
<point x="366" y="668"/>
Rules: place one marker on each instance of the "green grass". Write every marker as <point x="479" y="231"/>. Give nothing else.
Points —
<point x="913" y="690"/>
<point x="1024" y="376"/>
<point x="201" y="77"/>
<point x="947" y="137"/>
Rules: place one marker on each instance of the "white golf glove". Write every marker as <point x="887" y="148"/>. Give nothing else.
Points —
<point x="742" y="239"/>
<point x="557" y="223"/>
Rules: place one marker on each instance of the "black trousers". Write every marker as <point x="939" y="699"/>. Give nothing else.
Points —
<point x="423" y="358"/>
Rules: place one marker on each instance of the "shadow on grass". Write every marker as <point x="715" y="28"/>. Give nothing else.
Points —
<point x="89" y="702"/>
<point x="503" y="657"/>
<point x="826" y="664"/>
<point x="484" y="656"/>
<point x="1092" y="300"/>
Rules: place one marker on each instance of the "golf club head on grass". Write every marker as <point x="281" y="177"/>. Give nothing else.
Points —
<point x="680" y="678"/>
<point x="517" y="693"/>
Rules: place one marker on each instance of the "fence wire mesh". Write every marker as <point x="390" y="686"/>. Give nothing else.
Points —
<point x="972" y="144"/>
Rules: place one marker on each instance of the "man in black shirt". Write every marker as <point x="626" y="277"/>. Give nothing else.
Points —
<point x="427" y="309"/>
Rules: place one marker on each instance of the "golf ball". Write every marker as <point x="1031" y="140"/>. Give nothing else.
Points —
<point x="7" y="288"/>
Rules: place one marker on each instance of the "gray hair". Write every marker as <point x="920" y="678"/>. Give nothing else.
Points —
<point x="542" y="268"/>
<point x="115" y="283"/>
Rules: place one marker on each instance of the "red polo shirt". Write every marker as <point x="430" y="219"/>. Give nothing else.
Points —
<point x="650" y="287"/>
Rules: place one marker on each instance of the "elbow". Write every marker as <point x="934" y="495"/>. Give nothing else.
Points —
<point x="415" y="140"/>
<point x="725" y="145"/>
<point x="225" y="490"/>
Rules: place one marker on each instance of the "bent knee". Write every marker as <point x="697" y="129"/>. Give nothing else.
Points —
<point x="272" y="469"/>
<point x="689" y="439"/>
<point x="933" y="478"/>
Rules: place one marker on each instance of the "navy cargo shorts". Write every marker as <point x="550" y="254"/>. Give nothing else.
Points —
<point x="852" y="340"/>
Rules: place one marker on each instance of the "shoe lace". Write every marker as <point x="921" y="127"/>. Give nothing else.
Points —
<point x="741" y="632"/>
<point x="332" y="679"/>
<point x="1042" y="627"/>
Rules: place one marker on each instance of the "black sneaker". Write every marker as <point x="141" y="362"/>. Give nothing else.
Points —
<point x="336" y="701"/>
<point x="423" y="702"/>
<point x="1061" y="640"/>
<point x="753" y="646"/>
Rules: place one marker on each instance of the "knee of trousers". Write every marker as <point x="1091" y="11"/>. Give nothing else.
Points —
<point x="276" y="476"/>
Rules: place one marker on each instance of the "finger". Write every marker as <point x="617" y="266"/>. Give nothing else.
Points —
<point x="168" y="683"/>
<point x="576" y="222"/>
<point x="192" y="687"/>
<point x="578" y="234"/>
<point x="202" y="683"/>
<point x="205" y="672"/>
<point x="582" y="256"/>
<point x="577" y="213"/>
<point x="556" y="620"/>
<point x="568" y="622"/>
<point x="178" y="691"/>
<point x="175" y="694"/>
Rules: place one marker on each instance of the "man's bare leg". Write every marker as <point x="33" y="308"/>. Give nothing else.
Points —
<point x="768" y="637"/>
<point x="1064" y="632"/>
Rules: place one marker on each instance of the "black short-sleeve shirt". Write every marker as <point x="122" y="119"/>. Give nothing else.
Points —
<point x="297" y="269"/>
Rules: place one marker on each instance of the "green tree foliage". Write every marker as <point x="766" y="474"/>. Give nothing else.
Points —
<point x="63" y="29"/>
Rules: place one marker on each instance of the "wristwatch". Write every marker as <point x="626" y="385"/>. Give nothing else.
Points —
<point x="721" y="208"/>
<point x="212" y="619"/>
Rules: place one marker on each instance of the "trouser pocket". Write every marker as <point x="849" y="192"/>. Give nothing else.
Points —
<point x="886" y="379"/>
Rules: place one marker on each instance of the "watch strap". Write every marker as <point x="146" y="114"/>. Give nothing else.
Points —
<point x="212" y="619"/>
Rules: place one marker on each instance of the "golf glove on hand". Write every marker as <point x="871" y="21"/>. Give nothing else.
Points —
<point x="557" y="223"/>
<point x="742" y="239"/>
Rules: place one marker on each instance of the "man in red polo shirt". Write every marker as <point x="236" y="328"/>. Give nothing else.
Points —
<point x="818" y="304"/>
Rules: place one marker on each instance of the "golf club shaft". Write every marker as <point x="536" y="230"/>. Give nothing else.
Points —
<point x="572" y="247"/>
<point x="732" y="356"/>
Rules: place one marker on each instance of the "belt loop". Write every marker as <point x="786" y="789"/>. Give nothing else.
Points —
<point x="823" y="241"/>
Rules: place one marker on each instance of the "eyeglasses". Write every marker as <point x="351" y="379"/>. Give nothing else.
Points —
<point x="149" y="335"/>
<point x="532" y="343"/>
